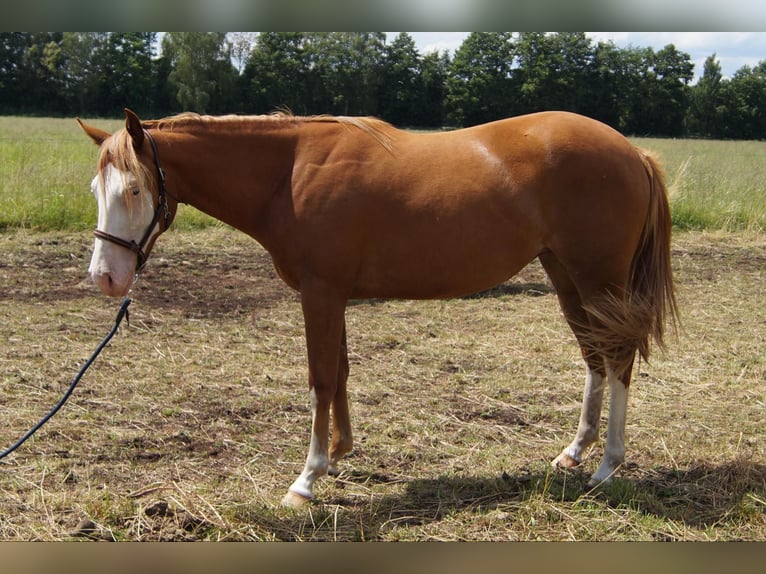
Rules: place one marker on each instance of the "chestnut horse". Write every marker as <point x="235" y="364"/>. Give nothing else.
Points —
<point x="354" y="208"/>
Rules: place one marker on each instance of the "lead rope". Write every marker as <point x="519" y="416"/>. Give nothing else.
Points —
<point x="121" y="314"/>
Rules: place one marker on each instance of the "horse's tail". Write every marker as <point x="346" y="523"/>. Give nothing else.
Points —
<point x="651" y="273"/>
<point x="629" y="323"/>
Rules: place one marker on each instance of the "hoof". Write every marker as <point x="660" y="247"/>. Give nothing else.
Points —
<point x="294" y="500"/>
<point x="596" y="482"/>
<point x="565" y="461"/>
<point x="603" y="475"/>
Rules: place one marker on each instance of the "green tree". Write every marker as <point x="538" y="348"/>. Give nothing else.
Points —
<point x="344" y="71"/>
<point x="72" y="63"/>
<point x="609" y="86"/>
<point x="660" y="96"/>
<point x="674" y="71"/>
<point x="707" y="107"/>
<point x="479" y="81"/>
<point x="555" y="71"/>
<point x="124" y="65"/>
<point x="435" y="70"/>
<point x="202" y="75"/>
<point x="39" y="86"/>
<point x="746" y="100"/>
<point x="12" y="48"/>
<point x="275" y="75"/>
<point x="402" y="90"/>
<point x="631" y="82"/>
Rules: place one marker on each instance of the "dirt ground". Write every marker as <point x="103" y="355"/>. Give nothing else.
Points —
<point x="195" y="419"/>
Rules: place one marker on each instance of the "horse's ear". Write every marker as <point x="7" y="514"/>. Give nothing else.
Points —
<point x="97" y="135"/>
<point x="134" y="127"/>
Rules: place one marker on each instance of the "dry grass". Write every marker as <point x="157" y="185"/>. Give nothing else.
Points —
<point x="195" y="419"/>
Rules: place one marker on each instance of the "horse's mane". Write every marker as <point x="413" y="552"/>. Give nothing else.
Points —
<point x="378" y="129"/>
<point x="119" y="151"/>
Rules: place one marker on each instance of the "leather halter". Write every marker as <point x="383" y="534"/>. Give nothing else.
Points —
<point x="159" y="212"/>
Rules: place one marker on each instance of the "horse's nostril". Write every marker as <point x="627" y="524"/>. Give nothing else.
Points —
<point x="106" y="283"/>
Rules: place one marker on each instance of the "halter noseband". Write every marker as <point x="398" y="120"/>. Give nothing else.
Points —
<point x="160" y="211"/>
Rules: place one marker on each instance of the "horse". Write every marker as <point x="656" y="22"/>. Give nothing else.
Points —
<point x="353" y="208"/>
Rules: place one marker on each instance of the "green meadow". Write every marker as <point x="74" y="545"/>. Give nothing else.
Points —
<point x="46" y="166"/>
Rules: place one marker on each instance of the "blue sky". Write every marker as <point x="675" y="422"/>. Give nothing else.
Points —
<point x="733" y="49"/>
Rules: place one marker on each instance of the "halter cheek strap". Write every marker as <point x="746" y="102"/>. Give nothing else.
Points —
<point x="160" y="211"/>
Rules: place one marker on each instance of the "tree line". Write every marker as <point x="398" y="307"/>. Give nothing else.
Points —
<point x="638" y="90"/>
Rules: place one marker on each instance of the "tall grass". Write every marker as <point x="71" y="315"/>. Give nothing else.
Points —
<point x="714" y="184"/>
<point x="46" y="166"/>
<point x="44" y="169"/>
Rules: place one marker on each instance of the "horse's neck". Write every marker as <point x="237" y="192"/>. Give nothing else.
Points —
<point x="230" y="175"/>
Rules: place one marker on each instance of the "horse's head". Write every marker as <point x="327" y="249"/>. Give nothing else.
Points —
<point x="133" y="209"/>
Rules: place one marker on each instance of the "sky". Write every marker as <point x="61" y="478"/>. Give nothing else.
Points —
<point x="732" y="49"/>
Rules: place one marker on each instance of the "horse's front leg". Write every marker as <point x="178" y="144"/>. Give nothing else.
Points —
<point x="323" y="314"/>
<point x="342" y="439"/>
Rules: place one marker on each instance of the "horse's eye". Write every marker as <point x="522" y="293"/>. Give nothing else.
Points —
<point x="135" y="190"/>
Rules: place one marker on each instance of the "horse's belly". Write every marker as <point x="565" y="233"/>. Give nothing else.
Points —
<point x="442" y="271"/>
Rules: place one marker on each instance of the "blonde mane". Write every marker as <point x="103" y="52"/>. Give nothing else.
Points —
<point x="380" y="131"/>
<point x="119" y="152"/>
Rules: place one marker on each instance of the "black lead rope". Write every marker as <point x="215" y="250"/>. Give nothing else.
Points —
<point x="121" y="314"/>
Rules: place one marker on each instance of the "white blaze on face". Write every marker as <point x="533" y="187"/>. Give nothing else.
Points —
<point x="113" y="267"/>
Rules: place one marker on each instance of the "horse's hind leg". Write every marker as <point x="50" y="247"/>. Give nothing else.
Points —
<point x="616" y="370"/>
<point x="590" y="414"/>
<point x="614" y="452"/>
